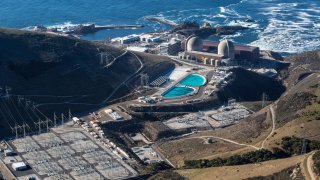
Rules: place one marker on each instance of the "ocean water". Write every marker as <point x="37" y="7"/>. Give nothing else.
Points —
<point x="281" y="25"/>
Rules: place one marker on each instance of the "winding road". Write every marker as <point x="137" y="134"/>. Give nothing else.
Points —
<point x="126" y="80"/>
<point x="273" y="117"/>
<point x="110" y="64"/>
<point x="308" y="165"/>
<point x="227" y="140"/>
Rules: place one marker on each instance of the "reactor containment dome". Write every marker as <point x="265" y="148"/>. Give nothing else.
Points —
<point x="226" y="49"/>
<point x="194" y="43"/>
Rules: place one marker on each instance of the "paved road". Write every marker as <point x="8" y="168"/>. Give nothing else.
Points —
<point x="273" y="117"/>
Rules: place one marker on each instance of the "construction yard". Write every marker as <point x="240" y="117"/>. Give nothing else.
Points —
<point x="66" y="152"/>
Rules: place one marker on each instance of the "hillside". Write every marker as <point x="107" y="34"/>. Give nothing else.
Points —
<point x="246" y="85"/>
<point x="60" y="73"/>
<point x="297" y="113"/>
<point x="244" y="171"/>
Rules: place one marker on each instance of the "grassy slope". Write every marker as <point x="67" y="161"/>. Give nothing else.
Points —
<point x="291" y="120"/>
<point x="37" y="65"/>
<point x="243" y="171"/>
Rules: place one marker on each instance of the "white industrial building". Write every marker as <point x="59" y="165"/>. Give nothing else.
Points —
<point x="129" y="39"/>
<point x="8" y="152"/>
<point x="137" y="49"/>
<point x="148" y="38"/>
<point x="173" y="47"/>
<point x="19" y="166"/>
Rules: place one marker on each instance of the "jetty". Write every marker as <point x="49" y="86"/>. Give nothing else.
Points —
<point x="81" y="29"/>
<point x="162" y="20"/>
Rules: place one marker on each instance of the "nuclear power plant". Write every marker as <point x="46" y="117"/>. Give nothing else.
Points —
<point x="217" y="53"/>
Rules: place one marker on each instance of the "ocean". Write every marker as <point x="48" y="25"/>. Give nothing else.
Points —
<point x="287" y="26"/>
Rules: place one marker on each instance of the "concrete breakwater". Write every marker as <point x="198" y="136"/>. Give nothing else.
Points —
<point x="162" y="20"/>
<point x="81" y="29"/>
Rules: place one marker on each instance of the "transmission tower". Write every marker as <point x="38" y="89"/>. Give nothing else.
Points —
<point x="55" y="119"/>
<point x="104" y="58"/>
<point x="144" y="80"/>
<point x="62" y="119"/>
<point x="69" y="115"/>
<point x="15" y="130"/>
<point x="38" y="125"/>
<point x="47" y="123"/>
<point x="20" y="99"/>
<point x="24" y="126"/>
<point x="264" y="99"/>
<point x="7" y="91"/>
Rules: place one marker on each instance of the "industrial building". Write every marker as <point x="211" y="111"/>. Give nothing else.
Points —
<point x="148" y="38"/>
<point x="173" y="47"/>
<point x="19" y="166"/>
<point x="9" y="152"/>
<point x="129" y="39"/>
<point x="217" y="53"/>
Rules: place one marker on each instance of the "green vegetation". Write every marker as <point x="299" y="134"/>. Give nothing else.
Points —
<point x="316" y="160"/>
<point x="290" y="146"/>
<point x="247" y="158"/>
<point x="293" y="145"/>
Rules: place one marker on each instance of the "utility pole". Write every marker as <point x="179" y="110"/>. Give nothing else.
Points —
<point x="15" y="130"/>
<point x="70" y="115"/>
<point x="24" y="126"/>
<point x="38" y="124"/>
<point x="62" y="119"/>
<point x="47" y="123"/>
<point x="54" y="119"/>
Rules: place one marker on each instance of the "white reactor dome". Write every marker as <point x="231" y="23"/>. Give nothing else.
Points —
<point x="194" y="43"/>
<point x="226" y="48"/>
